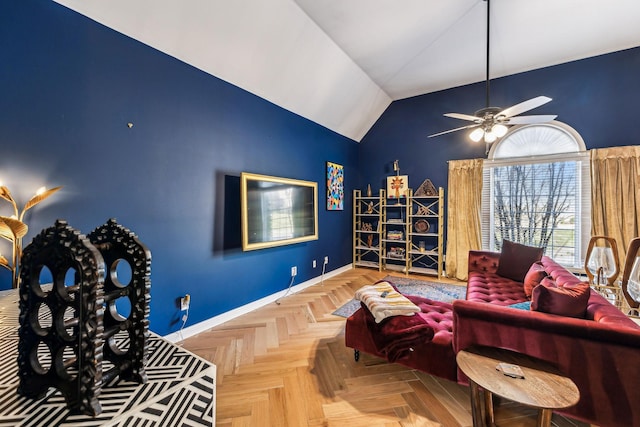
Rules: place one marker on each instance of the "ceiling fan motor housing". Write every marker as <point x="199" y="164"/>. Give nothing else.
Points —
<point x="488" y="113"/>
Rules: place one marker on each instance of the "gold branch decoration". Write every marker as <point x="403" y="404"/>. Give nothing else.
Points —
<point x="40" y="196"/>
<point x="4" y="263"/>
<point x="6" y="194"/>
<point x="14" y="229"/>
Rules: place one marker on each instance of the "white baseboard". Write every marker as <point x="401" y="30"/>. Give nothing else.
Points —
<point x="232" y="314"/>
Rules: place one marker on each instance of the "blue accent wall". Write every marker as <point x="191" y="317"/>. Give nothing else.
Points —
<point x="597" y="96"/>
<point x="68" y="88"/>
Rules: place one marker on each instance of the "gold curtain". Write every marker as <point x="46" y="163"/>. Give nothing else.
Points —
<point x="464" y="204"/>
<point x="615" y="194"/>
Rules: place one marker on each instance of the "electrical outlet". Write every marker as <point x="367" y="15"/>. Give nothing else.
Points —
<point x="294" y="271"/>
<point x="185" y="301"/>
<point x="314" y="263"/>
<point x="326" y="260"/>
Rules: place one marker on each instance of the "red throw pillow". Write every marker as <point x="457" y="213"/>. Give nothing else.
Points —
<point x="570" y="301"/>
<point x="533" y="278"/>
<point x="515" y="260"/>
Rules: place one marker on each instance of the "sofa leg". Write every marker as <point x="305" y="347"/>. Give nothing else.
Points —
<point x="356" y="354"/>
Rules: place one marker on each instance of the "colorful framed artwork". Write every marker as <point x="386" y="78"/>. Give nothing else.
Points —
<point x="397" y="186"/>
<point x="335" y="187"/>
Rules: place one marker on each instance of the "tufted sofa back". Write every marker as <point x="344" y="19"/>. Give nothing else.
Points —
<point x="558" y="273"/>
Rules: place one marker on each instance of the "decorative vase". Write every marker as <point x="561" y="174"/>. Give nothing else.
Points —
<point x="368" y="190"/>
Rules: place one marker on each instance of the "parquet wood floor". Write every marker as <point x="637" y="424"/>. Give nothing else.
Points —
<point x="286" y="365"/>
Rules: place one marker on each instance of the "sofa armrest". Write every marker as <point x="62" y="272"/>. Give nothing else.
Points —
<point x="480" y="323"/>
<point x="483" y="261"/>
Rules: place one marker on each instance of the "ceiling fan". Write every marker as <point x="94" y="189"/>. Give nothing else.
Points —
<point x="491" y="123"/>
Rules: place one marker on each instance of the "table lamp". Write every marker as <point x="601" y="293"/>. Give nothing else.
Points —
<point x="602" y="262"/>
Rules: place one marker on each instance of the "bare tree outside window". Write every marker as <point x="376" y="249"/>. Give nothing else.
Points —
<point x="534" y="204"/>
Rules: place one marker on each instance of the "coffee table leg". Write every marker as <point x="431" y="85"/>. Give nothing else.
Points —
<point x="488" y="408"/>
<point x="476" y="406"/>
<point x="544" y="418"/>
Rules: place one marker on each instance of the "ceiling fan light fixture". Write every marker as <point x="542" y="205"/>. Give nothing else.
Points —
<point x="499" y="130"/>
<point x="476" y="135"/>
<point x="490" y="137"/>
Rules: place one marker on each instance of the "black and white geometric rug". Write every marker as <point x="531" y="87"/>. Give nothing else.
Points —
<point x="180" y="390"/>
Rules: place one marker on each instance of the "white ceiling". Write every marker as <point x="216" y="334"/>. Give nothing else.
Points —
<point x="340" y="63"/>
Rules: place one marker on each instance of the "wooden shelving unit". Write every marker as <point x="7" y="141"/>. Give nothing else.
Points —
<point x="426" y="231"/>
<point x="394" y="233"/>
<point x="404" y="234"/>
<point x="367" y="220"/>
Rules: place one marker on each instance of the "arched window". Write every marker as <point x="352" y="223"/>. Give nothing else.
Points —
<point x="537" y="191"/>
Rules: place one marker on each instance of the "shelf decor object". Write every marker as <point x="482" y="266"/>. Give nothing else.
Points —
<point x="426" y="189"/>
<point x="395" y="235"/>
<point x="397" y="186"/>
<point x="127" y="290"/>
<point x="14" y="228"/>
<point x="421" y="226"/>
<point x="397" y="253"/>
<point x="95" y="311"/>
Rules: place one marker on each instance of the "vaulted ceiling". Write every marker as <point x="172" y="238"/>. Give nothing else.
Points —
<point x="340" y="63"/>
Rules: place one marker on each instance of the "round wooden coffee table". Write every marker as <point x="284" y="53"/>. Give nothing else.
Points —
<point x="542" y="386"/>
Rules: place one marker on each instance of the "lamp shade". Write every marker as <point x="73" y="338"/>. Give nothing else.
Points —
<point x="499" y="130"/>
<point x="602" y="258"/>
<point x="476" y="135"/>
<point x="490" y="137"/>
<point x="602" y="263"/>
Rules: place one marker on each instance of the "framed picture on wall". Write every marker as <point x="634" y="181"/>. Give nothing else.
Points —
<point x="335" y="187"/>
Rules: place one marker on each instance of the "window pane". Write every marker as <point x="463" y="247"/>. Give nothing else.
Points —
<point x="535" y="205"/>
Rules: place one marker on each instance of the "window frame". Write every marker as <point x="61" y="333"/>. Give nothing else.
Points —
<point x="583" y="187"/>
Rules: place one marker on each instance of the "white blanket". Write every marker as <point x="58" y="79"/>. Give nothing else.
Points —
<point x="392" y="303"/>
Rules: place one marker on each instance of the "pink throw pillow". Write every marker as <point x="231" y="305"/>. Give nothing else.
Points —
<point x="568" y="301"/>
<point x="533" y="278"/>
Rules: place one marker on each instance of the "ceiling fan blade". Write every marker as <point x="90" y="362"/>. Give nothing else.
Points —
<point x="525" y="120"/>
<point x="524" y="106"/>
<point x="453" y="130"/>
<point x="463" y="117"/>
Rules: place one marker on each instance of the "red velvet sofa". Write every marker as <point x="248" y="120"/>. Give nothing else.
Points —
<point x="600" y="351"/>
